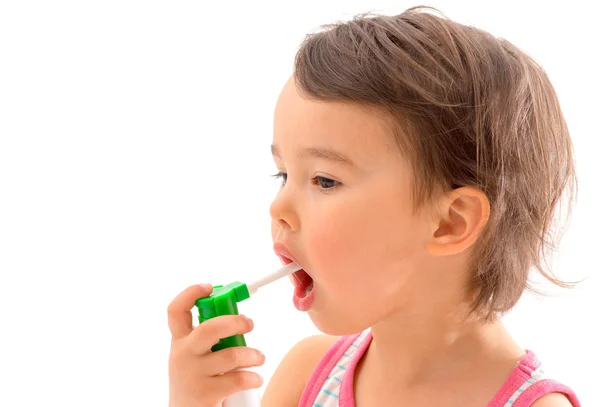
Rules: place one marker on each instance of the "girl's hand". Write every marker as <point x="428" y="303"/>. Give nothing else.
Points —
<point x="199" y="377"/>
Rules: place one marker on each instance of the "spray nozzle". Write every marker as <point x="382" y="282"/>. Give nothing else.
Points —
<point x="224" y="299"/>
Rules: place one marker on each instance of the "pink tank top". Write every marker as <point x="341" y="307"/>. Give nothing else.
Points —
<point x="331" y="384"/>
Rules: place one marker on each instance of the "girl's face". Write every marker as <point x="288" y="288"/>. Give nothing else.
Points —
<point x="344" y="213"/>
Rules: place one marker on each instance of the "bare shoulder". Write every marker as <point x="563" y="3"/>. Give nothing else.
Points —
<point x="552" y="400"/>
<point x="294" y="371"/>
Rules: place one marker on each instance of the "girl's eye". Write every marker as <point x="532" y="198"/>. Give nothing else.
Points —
<point x="322" y="182"/>
<point x="283" y="177"/>
<point x="325" y="183"/>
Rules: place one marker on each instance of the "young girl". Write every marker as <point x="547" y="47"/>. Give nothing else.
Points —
<point x="421" y="163"/>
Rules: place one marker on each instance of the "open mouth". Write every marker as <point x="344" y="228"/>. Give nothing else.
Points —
<point x="304" y="286"/>
<point x="303" y="282"/>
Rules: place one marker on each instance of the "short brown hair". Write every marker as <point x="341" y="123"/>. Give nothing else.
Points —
<point x="478" y="112"/>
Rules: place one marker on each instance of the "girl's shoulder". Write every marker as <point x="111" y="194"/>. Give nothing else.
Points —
<point x="529" y="385"/>
<point x="293" y="373"/>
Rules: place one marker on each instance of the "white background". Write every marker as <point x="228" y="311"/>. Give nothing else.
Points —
<point x="134" y="161"/>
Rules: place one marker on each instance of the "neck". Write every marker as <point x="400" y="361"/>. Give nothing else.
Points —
<point x="428" y="346"/>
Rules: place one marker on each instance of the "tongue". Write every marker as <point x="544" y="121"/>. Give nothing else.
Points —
<point x="304" y="283"/>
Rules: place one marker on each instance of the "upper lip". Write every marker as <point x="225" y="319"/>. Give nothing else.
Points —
<point x="284" y="254"/>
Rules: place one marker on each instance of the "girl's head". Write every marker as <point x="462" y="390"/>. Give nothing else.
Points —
<point x="422" y="162"/>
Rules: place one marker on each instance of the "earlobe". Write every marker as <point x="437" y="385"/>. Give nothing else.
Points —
<point x="464" y="213"/>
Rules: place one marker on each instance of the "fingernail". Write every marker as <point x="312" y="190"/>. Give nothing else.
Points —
<point x="258" y="380"/>
<point x="249" y="321"/>
<point x="206" y="287"/>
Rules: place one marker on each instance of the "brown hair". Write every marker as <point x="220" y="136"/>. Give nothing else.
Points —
<point x="471" y="110"/>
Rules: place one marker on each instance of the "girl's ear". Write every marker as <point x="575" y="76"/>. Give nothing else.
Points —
<point x="463" y="214"/>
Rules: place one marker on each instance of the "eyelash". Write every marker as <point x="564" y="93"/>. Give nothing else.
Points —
<point x="317" y="180"/>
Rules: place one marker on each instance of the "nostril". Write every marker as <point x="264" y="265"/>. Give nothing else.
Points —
<point x="282" y="223"/>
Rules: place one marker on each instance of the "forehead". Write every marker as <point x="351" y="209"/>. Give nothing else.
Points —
<point x="352" y="129"/>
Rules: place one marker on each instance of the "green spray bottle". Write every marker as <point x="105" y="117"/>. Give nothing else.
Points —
<point x="223" y="301"/>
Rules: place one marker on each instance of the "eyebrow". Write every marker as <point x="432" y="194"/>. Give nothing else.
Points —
<point x="321" y="153"/>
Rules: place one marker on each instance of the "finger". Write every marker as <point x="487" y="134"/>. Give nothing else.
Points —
<point x="179" y="310"/>
<point x="210" y="332"/>
<point x="234" y="382"/>
<point x="234" y="358"/>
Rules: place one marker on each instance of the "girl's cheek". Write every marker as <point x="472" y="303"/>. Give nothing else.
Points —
<point x="331" y="249"/>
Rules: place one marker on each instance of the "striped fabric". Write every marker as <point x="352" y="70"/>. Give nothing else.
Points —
<point x="330" y="390"/>
<point x="331" y="385"/>
<point x="536" y="376"/>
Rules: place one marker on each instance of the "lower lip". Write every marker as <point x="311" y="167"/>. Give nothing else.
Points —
<point x="304" y="303"/>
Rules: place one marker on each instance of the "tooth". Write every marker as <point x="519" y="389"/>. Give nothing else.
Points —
<point x="308" y="289"/>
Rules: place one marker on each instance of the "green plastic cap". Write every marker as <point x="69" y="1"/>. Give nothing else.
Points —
<point x="223" y="301"/>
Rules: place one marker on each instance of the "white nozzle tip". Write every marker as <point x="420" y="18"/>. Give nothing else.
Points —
<point x="282" y="272"/>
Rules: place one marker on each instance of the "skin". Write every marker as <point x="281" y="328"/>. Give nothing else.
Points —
<point x="345" y="214"/>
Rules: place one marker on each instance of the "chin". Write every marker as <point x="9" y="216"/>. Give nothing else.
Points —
<point x="333" y="324"/>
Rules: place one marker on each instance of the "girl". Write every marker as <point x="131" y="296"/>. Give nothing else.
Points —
<point x="421" y="163"/>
